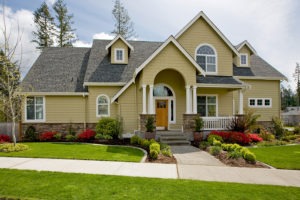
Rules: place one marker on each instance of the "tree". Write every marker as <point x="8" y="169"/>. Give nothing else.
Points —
<point x="123" y="25"/>
<point x="10" y="79"/>
<point x="65" y="34"/>
<point x="288" y="98"/>
<point x="296" y="76"/>
<point x="45" y="28"/>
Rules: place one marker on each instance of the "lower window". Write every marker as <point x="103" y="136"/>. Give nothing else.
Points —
<point x="35" y="108"/>
<point x="207" y="106"/>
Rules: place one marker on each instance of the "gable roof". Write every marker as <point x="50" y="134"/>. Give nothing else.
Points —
<point x="58" y="70"/>
<point x="171" y="39"/>
<point x="212" y="25"/>
<point x="121" y="38"/>
<point x="245" y="43"/>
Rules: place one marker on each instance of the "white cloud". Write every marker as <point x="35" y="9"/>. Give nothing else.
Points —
<point x="50" y="2"/>
<point x="103" y="36"/>
<point x="80" y="43"/>
<point x="19" y="26"/>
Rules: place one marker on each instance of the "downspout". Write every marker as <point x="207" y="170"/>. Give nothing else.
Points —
<point x="84" y="116"/>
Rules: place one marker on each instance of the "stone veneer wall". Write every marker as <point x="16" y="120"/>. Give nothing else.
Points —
<point x="58" y="127"/>
<point x="143" y="120"/>
<point x="189" y="125"/>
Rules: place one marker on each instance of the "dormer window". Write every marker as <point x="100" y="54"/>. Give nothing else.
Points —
<point x="206" y="58"/>
<point x="119" y="55"/>
<point x="244" y="60"/>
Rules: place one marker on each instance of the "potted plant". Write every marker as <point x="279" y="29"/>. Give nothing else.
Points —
<point x="199" y="123"/>
<point x="150" y="132"/>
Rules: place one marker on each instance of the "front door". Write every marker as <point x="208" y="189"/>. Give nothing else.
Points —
<point x="162" y="114"/>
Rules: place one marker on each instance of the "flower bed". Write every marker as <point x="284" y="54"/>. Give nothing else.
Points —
<point x="237" y="137"/>
<point x="4" y="138"/>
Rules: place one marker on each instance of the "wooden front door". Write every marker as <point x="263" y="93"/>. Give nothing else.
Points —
<point x="162" y="113"/>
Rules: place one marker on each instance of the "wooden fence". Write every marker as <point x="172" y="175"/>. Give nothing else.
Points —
<point x="6" y="128"/>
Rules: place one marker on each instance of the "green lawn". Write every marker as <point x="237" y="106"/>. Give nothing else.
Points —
<point x="282" y="157"/>
<point x="79" y="151"/>
<point x="53" y="185"/>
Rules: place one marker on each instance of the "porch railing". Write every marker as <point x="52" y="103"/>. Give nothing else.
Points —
<point x="216" y="123"/>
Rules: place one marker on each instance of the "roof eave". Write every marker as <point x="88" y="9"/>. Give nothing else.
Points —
<point x="115" y="39"/>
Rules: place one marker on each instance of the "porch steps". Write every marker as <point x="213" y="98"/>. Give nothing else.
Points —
<point x="173" y="138"/>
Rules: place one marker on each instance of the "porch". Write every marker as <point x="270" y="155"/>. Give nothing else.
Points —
<point x="216" y="123"/>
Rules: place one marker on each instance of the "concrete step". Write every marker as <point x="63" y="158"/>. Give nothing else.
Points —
<point x="176" y="142"/>
<point x="173" y="138"/>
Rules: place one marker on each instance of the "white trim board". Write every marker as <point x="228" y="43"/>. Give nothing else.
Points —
<point x="115" y="39"/>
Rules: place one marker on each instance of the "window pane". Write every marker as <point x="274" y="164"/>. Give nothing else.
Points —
<point x="201" y="100"/>
<point x="30" y="101"/>
<point x="162" y="91"/>
<point x="30" y="111"/>
<point x="39" y="112"/>
<point x="252" y="102"/>
<point x="211" y="59"/>
<point x="211" y="100"/>
<point x="211" y="68"/>
<point x="259" y="102"/>
<point x="243" y="59"/>
<point x="39" y="100"/>
<point x="211" y="110"/>
<point x="201" y="109"/>
<point x="205" y="50"/>
<point x="267" y="102"/>
<point x="102" y="100"/>
<point x="102" y="110"/>
<point x="201" y="60"/>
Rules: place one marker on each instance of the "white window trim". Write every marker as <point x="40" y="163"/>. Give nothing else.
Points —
<point x="108" y="106"/>
<point x="217" y="103"/>
<point x="247" y="60"/>
<point x="216" y="56"/>
<point x="123" y="57"/>
<point x="260" y="106"/>
<point x="169" y="103"/>
<point x="44" y="111"/>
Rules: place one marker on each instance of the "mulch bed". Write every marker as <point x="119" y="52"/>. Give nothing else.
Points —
<point x="162" y="159"/>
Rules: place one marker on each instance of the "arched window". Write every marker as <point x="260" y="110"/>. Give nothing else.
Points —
<point x="206" y="58"/>
<point x="103" y="106"/>
<point x="162" y="91"/>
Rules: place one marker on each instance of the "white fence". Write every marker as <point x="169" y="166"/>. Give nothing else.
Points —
<point x="216" y="123"/>
<point x="6" y="128"/>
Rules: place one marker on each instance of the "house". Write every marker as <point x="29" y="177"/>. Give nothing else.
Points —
<point x="197" y="71"/>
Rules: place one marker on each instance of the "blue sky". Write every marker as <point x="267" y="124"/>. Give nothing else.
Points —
<point x="271" y="26"/>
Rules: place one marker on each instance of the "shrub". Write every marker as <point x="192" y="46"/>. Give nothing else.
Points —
<point x="166" y="151"/>
<point x="109" y="126"/>
<point x="231" y="137"/>
<point x="47" y="136"/>
<point x="203" y="145"/>
<point x="266" y="135"/>
<point x="254" y="138"/>
<point x="234" y="154"/>
<point x="153" y="154"/>
<point x="30" y="134"/>
<point x="154" y="150"/>
<point x="278" y="128"/>
<point x="250" y="157"/>
<point x="215" y="150"/>
<point x="216" y="142"/>
<point x="86" y="135"/>
<point x="102" y="137"/>
<point x="9" y="147"/>
<point x="135" y="140"/>
<point x="211" y="138"/>
<point x="145" y="144"/>
<point x="243" y="123"/>
<point x="70" y="138"/>
<point x="58" y="136"/>
<point x="199" y="123"/>
<point x="4" y="138"/>
<point x="297" y="130"/>
<point x="150" y="124"/>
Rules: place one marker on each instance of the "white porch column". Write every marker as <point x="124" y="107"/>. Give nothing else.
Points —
<point x="188" y="101"/>
<point x="194" y="99"/>
<point x="144" y="99"/>
<point x="151" y="111"/>
<point x="241" y="102"/>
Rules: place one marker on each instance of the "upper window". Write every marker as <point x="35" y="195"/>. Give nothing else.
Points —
<point x="206" y="58"/>
<point x="35" y="109"/>
<point x="207" y="106"/>
<point x="260" y="102"/>
<point x="119" y="55"/>
<point x="244" y="59"/>
<point x="103" y="106"/>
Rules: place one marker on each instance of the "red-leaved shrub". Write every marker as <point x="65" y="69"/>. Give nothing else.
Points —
<point x="47" y="136"/>
<point x="87" y="135"/>
<point x="254" y="137"/>
<point x="4" y="138"/>
<point x="233" y="137"/>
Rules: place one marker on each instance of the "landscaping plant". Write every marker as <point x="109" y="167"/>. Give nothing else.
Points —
<point x="278" y="128"/>
<point x="4" y="138"/>
<point x="86" y="135"/>
<point x="10" y="147"/>
<point x="244" y="123"/>
<point x="47" y="136"/>
<point x="30" y="134"/>
<point x="109" y="126"/>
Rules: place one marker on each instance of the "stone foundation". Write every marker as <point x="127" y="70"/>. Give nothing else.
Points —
<point x="189" y="125"/>
<point x="63" y="128"/>
<point x="143" y="121"/>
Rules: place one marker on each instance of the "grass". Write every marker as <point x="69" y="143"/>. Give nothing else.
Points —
<point x="53" y="185"/>
<point x="282" y="157"/>
<point x="79" y="151"/>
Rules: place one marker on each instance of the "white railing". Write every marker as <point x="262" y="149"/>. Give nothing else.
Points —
<point x="216" y="123"/>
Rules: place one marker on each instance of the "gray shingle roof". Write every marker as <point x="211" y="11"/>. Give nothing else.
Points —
<point x="58" y="70"/>
<point x="217" y="80"/>
<point x="259" y="67"/>
<point x="101" y="70"/>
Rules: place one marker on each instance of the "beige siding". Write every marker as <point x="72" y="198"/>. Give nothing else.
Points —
<point x="225" y="102"/>
<point x="263" y="89"/>
<point x="65" y="109"/>
<point x="169" y="58"/>
<point x="201" y="33"/>
<point x="119" y="44"/>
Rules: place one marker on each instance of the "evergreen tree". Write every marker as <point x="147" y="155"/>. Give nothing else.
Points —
<point x="65" y="34"/>
<point x="45" y="28"/>
<point x="297" y="80"/>
<point x="123" y="25"/>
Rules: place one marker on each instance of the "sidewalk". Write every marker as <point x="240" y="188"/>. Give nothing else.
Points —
<point x="181" y="171"/>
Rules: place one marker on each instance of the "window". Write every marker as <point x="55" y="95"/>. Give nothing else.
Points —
<point x="207" y="106"/>
<point x="119" y="55"/>
<point x="206" y="58"/>
<point x="244" y="59"/>
<point x="103" y="106"/>
<point x="35" y="109"/>
<point x="260" y="102"/>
